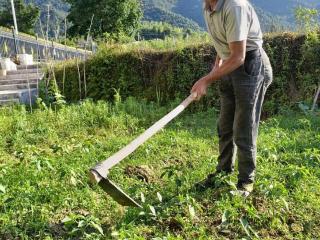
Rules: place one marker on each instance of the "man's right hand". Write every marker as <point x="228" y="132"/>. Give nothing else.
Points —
<point x="200" y="87"/>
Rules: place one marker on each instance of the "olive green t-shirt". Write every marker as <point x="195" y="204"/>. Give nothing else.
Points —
<point x="232" y="21"/>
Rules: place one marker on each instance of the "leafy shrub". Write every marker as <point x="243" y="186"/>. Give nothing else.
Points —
<point x="169" y="74"/>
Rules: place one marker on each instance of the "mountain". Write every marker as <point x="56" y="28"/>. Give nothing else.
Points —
<point x="188" y="13"/>
<point x="285" y="7"/>
<point x="271" y="12"/>
<point x="192" y="11"/>
<point x="162" y="11"/>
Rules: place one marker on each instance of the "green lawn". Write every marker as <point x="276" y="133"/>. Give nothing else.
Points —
<point x="45" y="193"/>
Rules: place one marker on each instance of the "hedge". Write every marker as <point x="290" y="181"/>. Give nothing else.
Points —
<point x="166" y="75"/>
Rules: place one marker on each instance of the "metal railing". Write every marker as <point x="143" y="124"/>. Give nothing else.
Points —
<point x="42" y="50"/>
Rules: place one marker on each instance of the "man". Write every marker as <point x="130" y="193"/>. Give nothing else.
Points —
<point x="245" y="73"/>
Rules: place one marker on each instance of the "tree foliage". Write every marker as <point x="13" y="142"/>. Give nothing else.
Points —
<point x="27" y="15"/>
<point x="159" y="30"/>
<point x="163" y="30"/>
<point x="58" y="11"/>
<point x="307" y="19"/>
<point x="111" y="18"/>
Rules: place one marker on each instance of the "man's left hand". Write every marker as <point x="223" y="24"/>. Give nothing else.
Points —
<point x="201" y="87"/>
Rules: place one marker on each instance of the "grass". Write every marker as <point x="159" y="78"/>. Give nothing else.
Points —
<point x="45" y="193"/>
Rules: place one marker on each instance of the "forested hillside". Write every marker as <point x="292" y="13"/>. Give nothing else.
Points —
<point x="161" y="11"/>
<point x="57" y="12"/>
<point x="285" y="8"/>
<point x="193" y="10"/>
<point x="58" y="7"/>
<point x="274" y="14"/>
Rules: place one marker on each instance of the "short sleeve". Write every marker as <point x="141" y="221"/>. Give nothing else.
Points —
<point x="237" y="24"/>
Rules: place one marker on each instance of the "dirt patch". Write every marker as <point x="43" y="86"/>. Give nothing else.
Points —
<point x="143" y="173"/>
<point x="57" y="230"/>
<point x="174" y="225"/>
<point x="260" y="204"/>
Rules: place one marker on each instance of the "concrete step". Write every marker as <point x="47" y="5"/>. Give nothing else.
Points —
<point x="8" y="95"/>
<point x="23" y="95"/>
<point x="23" y="71"/>
<point x="9" y="102"/>
<point x="21" y="86"/>
<point x="33" y="66"/>
<point x="19" y="81"/>
<point x="17" y="86"/>
<point x="22" y="76"/>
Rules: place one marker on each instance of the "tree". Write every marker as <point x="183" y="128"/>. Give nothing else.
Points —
<point x="27" y="15"/>
<point x="308" y="22"/>
<point x="112" y="18"/>
<point x="307" y="19"/>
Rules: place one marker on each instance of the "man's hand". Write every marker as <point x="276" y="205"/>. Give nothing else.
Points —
<point x="201" y="87"/>
<point x="237" y="58"/>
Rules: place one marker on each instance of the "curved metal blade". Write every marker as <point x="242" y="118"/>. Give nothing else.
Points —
<point x="117" y="193"/>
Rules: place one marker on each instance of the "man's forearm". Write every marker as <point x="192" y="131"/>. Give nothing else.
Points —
<point x="225" y="68"/>
<point x="237" y="57"/>
<point x="217" y="62"/>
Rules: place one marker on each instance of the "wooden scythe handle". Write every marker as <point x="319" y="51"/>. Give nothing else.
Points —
<point x="101" y="170"/>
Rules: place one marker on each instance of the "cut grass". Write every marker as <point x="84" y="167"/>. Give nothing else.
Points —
<point x="45" y="193"/>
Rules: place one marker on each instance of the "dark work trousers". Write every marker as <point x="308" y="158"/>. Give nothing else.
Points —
<point x="242" y="94"/>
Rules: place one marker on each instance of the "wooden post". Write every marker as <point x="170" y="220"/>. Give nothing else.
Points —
<point x="316" y="97"/>
<point x="15" y="42"/>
